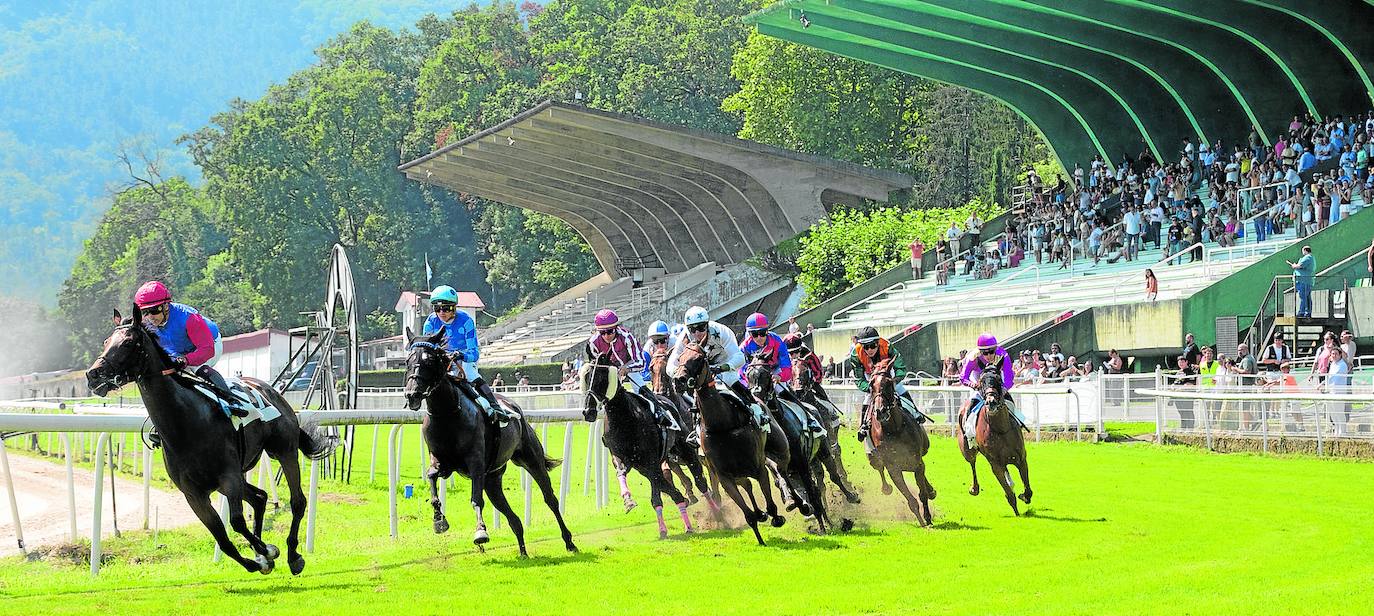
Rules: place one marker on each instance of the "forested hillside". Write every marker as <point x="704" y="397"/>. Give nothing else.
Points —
<point x="275" y="177"/>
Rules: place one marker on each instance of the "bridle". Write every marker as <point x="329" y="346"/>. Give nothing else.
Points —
<point x="423" y="347"/>
<point x="703" y="377"/>
<point x="117" y="378"/>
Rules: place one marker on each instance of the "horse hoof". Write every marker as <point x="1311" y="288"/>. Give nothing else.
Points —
<point x="272" y="552"/>
<point x="931" y="496"/>
<point x="663" y="533"/>
<point x="973" y="491"/>
<point x="297" y="564"/>
<point x="887" y="489"/>
<point x="791" y="505"/>
<point x="480" y="536"/>
<point x="846" y="525"/>
<point x="804" y="509"/>
<point x="690" y="531"/>
<point x="778" y="521"/>
<point x="691" y="498"/>
<point x="1026" y="498"/>
<point x="571" y="548"/>
<point x="853" y="498"/>
<point x="440" y="526"/>
<point x="630" y="505"/>
<point x="265" y="564"/>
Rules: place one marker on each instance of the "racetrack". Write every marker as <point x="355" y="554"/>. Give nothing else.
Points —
<point x="1114" y="528"/>
<point x="41" y="493"/>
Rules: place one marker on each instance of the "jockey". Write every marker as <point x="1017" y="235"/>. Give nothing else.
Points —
<point x="619" y="345"/>
<point x="759" y="341"/>
<point x="722" y="354"/>
<point x="991" y="356"/>
<point x="461" y="342"/>
<point x="660" y="336"/>
<point x="192" y="341"/>
<point x="870" y="349"/>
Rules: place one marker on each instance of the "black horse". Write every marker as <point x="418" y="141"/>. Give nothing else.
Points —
<point x="633" y="436"/>
<point x="809" y="391"/>
<point x="460" y="439"/>
<point x="733" y="443"/>
<point x="202" y="451"/>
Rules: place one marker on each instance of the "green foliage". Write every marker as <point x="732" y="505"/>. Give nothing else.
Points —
<point x="851" y="246"/>
<point x="532" y="255"/>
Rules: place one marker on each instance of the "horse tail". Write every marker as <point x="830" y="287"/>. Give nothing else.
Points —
<point x="551" y="463"/>
<point x="316" y="442"/>
<point x="532" y="443"/>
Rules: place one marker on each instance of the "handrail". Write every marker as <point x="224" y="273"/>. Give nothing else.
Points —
<point x="972" y="245"/>
<point x="959" y="309"/>
<point x="1261" y="187"/>
<point x="838" y="313"/>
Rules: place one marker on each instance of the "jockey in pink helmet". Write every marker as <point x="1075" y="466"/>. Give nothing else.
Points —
<point x="619" y="346"/>
<point x="191" y="340"/>
<point x="768" y="346"/>
<point x="990" y="356"/>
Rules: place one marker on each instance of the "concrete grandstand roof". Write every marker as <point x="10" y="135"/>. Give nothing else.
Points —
<point x="1114" y="76"/>
<point x="637" y="189"/>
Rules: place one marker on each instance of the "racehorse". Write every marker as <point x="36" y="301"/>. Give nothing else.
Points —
<point x="683" y="452"/>
<point x="632" y="435"/>
<point x="461" y="439"/>
<point x="998" y="437"/>
<point x="808" y="391"/>
<point x="900" y="443"/>
<point x="734" y="445"/>
<point x="202" y="451"/>
<point x="807" y="453"/>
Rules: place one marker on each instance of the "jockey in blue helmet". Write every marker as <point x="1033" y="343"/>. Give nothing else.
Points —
<point x="460" y="340"/>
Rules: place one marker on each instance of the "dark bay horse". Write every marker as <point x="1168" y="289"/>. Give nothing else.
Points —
<point x="633" y="435"/>
<point x="202" y="451"/>
<point x="733" y="444"/>
<point x="461" y="439"/>
<point x="899" y="442"/>
<point x="808" y="391"/>
<point x="998" y="435"/>
<point x="683" y="452"/>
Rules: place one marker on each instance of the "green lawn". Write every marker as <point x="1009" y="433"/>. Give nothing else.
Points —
<point x="1114" y="529"/>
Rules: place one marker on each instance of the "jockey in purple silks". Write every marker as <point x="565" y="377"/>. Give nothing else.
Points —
<point x="619" y="345"/>
<point x="991" y="356"/>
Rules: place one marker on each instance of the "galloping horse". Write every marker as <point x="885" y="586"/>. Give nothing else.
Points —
<point x="633" y="435"/>
<point x="682" y="453"/>
<point x="899" y="442"/>
<point x="460" y="439"/>
<point x="734" y="445"/>
<point x="808" y="392"/>
<point x="201" y="449"/>
<point x="998" y="435"/>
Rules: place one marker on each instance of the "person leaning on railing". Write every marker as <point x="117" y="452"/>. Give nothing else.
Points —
<point x="1186" y="379"/>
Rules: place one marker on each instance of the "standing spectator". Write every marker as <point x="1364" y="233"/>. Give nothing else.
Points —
<point x="1274" y="358"/>
<point x="1190" y="349"/>
<point x="1114" y="363"/>
<point x="974" y="227"/>
<point x="1348" y="345"/>
<point x="1369" y="255"/>
<point x="1055" y="353"/>
<point x="1303" y="271"/>
<point x="497" y="383"/>
<point x="792" y="327"/>
<point x="1338" y="382"/>
<point x="952" y="234"/>
<point x="1151" y="285"/>
<point x="524" y="384"/>
<point x="1132" y="222"/>
<point x="918" y="250"/>
<point x="1157" y="216"/>
<point x="1185" y="379"/>
<point x="941" y="251"/>
<point x="1245" y="375"/>
<point x="1245" y="362"/>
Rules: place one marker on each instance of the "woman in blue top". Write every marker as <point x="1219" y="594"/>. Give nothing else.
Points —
<point x="461" y="341"/>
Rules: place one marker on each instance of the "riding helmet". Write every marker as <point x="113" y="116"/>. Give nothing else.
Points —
<point x="756" y="322"/>
<point x="606" y="319"/>
<point x="443" y="293"/>
<point x="867" y="335"/>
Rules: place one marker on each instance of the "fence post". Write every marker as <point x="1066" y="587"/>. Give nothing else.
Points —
<point x="98" y="508"/>
<point x="14" y="503"/>
<point x="148" y="483"/>
<point x="314" y="506"/>
<point x="1159" y="407"/>
<point x="1317" y="410"/>
<point x="567" y="469"/>
<point x="71" y="482"/>
<point x="1206" y="422"/>
<point x="393" y="474"/>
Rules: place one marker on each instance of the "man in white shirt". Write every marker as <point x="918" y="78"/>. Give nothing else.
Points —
<point x="1132" y="225"/>
<point x="1157" y="215"/>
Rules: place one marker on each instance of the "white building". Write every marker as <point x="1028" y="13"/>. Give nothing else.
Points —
<point x="414" y="308"/>
<point x="261" y="354"/>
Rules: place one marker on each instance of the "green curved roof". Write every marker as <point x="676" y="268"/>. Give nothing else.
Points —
<point x="1113" y="76"/>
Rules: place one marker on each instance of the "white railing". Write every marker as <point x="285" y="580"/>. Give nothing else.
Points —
<point x="1001" y="284"/>
<point x="132" y="419"/>
<point x="841" y="312"/>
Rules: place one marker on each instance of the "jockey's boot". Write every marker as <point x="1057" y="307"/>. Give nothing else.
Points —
<point x="237" y="404"/>
<point x="662" y="415"/>
<point x="910" y="406"/>
<point x="486" y="400"/>
<point x="761" y="418"/>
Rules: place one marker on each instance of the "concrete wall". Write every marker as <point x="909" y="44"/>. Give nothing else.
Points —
<point x="1142" y="325"/>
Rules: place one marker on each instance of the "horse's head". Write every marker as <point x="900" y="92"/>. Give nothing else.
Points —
<point x="426" y="367"/>
<point x="693" y="370"/>
<point x="992" y="389"/>
<point x="598" y="380"/>
<point x="129" y="354"/>
<point x="882" y="389"/>
<point x="759" y="373"/>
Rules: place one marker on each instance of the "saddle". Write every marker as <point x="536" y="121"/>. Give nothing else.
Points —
<point x="258" y="406"/>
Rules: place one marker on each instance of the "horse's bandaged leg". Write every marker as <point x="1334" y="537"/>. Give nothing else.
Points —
<point x="686" y="521"/>
<point x="662" y="527"/>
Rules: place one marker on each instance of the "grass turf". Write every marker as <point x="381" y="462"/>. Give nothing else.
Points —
<point x="1113" y="529"/>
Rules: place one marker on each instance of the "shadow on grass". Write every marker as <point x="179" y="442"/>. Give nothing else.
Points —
<point x="805" y="543"/>
<point x="277" y="589"/>
<point x="1040" y="515"/>
<point x="953" y="525"/>
<point x="542" y="561"/>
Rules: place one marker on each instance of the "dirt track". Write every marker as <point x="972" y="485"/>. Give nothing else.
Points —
<point x="41" y="493"/>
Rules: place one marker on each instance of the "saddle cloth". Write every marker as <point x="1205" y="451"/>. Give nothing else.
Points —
<point x="260" y="409"/>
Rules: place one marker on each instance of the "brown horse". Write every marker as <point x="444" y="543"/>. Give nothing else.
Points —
<point x="998" y="438"/>
<point x="683" y="452"/>
<point x="900" y="443"/>
<point x="734" y="445"/>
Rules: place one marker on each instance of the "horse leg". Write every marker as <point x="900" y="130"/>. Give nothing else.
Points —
<point x="972" y="458"/>
<point x="478" y="471"/>
<point x="732" y="490"/>
<point x="663" y="485"/>
<point x="232" y="488"/>
<point x="432" y="476"/>
<point x="534" y="463"/>
<point x="200" y="505"/>
<point x="999" y="470"/>
<point x="291" y="470"/>
<point x="621" y="470"/>
<point x="831" y="463"/>
<point x="676" y="469"/>
<point x="257" y="499"/>
<point x="912" y="502"/>
<point x="498" y="500"/>
<point x="813" y="494"/>
<point x="762" y="480"/>
<point x="1024" y="467"/>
